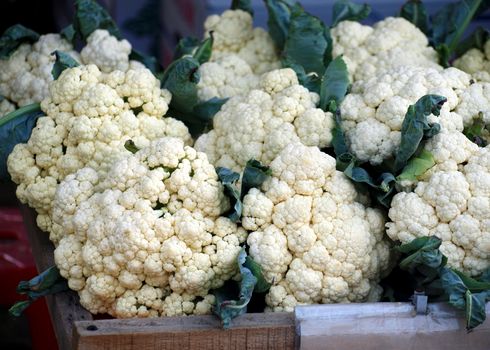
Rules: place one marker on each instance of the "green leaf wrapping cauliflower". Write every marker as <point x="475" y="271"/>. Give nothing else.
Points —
<point x="146" y="238"/>
<point x="315" y="242"/>
<point x="390" y="43"/>
<point x="452" y="204"/>
<point x="373" y="113"/>
<point x="25" y="75"/>
<point x="260" y="124"/>
<point x="476" y="63"/>
<point x="89" y="116"/>
<point x="234" y="34"/>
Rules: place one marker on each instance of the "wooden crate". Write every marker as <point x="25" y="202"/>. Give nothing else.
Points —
<point x="75" y="328"/>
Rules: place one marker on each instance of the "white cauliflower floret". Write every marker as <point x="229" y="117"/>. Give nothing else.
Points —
<point x="475" y="102"/>
<point x="390" y="43"/>
<point x="320" y="245"/>
<point x="227" y="76"/>
<point x="453" y="204"/>
<point x="261" y="123"/>
<point x="6" y="107"/>
<point x="25" y="75"/>
<point x="234" y="34"/>
<point x="373" y="114"/>
<point x="89" y="116"/>
<point x="146" y="238"/>
<point x="476" y="63"/>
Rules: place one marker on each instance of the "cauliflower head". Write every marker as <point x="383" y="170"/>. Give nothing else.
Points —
<point x="89" y="116"/>
<point x="261" y="123"/>
<point x="234" y="34"/>
<point x="373" y="113"/>
<point x="315" y="242"/>
<point x="146" y="238"/>
<point x="476" y="63"/>
<point x="393" y="42"/>
<point x="25" y="75"/>
<point x="6" y="107"/>
<point x="452" y="203"/>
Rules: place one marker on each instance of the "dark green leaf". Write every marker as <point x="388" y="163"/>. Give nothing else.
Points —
<point x="426" y="255"/>
<point x="414" y="11"/>
<point x="254" y="176"/>
<point x="417" y="166"/>
<point x="335" y="83"/>
<point x="227" y="309"/>
<point x="131" y="147"/>
<point x="476" y="131"/>
<point x="244" y="5"/>
<point x="181" y="78"/>
<point x="16" y="127"/>
<point x="449" y="24"/>
<point x="148" y="61"/>
<point x="485" y="276"/>
<point x="308" y="42"/>
<point x="454" y="288"/>
<point x="185" y="46"/>
<point x="205" y="111"/>
<point x="203" y="51"/>
<point x="477" y="40"/>
<point x="46" y="283"/>
<point x="426" y="243"/>
<point x="15" y="36"/>
<point x="472" y="284"/>
<point x="344" y="10"/>
<point x="338" y="141"/>
<point x="310" y="81"/>
<point x="262" y="285"/>
<point x="69" y="33"/>
<point x="63" y="61"/>
<point x="475" y="308"/>
<point x="229" y="180"/>
<point x="279" y="14"/>
<point x="360" y="175"/>
<point x="90" y="16"/>
<point x="415" y="126"/>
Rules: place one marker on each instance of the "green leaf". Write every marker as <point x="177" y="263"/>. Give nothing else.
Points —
<point x="229" y="180"/>
<point x="415" y="12"/>
<point x="415" y="126"/>
<point x="475" y="308"/>
<point x="185" y="46"/>
<point x="335" y="83"/>
<point x="454" y="288"/>
<point x="476" y="131"/>
<point x="203" y="51"/>
<point x="46" y="283"/>
<point x="417" y="166"/>
<point x="130" y="146"/>
<point x="254" y="176"/>
<point x="344" y="10"/>
<point x="16" y="127"/>
<point x="449" y="24"/>
<point x="181" y="78"/>
<point x="472" y="284"/>
<point x="427" y="253"/>
<point x="225" y="307"/>
<point x="90" y="16"/>
<point x="262" y="285"/>
<point x="202" y="116"/>
<point x="279" y="15"/>
<point x="339" y="144"/>
<point x="426" y="243"/>
<point x="15" y="36"/>
<point x="308" y="42"/>
<point x="244" y="5"/>
<point x="310" y="81"/>
<point x="69" y="33"/>
<point x="477" y="40"/>
<point x="63" y="61"/>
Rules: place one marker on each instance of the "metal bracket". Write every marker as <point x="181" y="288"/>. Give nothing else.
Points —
<point x="419" y="300"/>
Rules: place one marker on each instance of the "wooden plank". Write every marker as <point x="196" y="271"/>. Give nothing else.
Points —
<point x="250" y="331"/>
<point x="64" y="308"/>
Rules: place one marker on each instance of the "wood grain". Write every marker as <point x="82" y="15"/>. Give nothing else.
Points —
<point x="64" y="308"/>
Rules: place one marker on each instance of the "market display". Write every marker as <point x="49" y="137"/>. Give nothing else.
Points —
<point x="307" y="164"/>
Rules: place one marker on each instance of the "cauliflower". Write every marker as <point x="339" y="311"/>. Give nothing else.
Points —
<point x="390" y="43"/>
<point x="25" y="75"/>
<point x="452" y="203"/>
<point x="473" y="102"/>
<point x="227" y="76"/>
<point x="6" y="107"/>
<point x="373" y="113"/>
<point x="476" y="63"/>
<point x="261" y="123"/>
<point x="146" y="237"/>
<point x="89" y="116"/>
<point x="315" y="242"/>
<point x="234" y="34"/>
